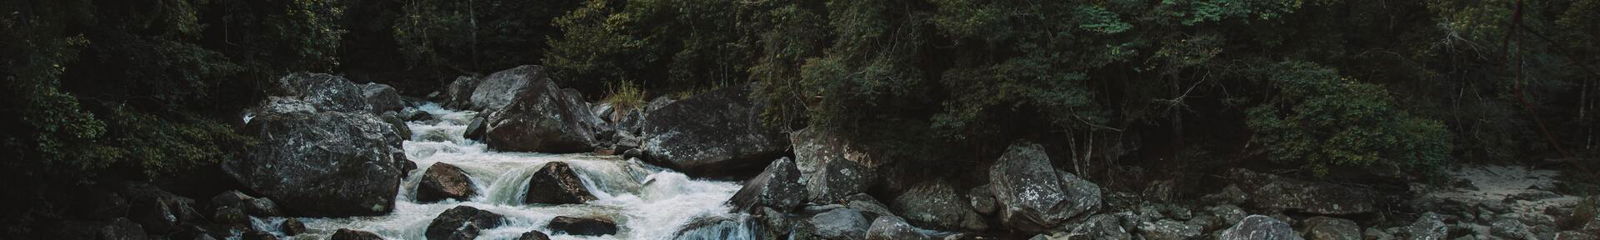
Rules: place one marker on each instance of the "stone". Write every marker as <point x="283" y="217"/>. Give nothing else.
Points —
<point x="1101" y="226"/>
<point x="159" y="211"/>
<point x="1429" y="226"/>
<point x="938" y="205"/>
<point x="831" y="166"/>
<point x="982" y="200"/>
<point x="1258" y="227"/>
<point x="324" y="92"/>
<point x="1575" y="235"/>
<point x="1512" y="229"/>
<point x="399" y="126"/>
<point x="258" y="235"/>
<point x="228" y="215"/>
<point x="556" y="183"/>
<point x="840" y="223"/>
<point x="1167" y="229"/>
<point x="533" y="235"/>
<point x="714" y="134"/>
<point x="349" y="234"/>
<point x="122" y="229"/>
<point x="291" y="227"/>
<point x="542" y="118"/>
<point x="382" y="98"/>
<point x="475" y="129"/>
<point x="892" y="228"/>
<point x="1267" y="191"/>
<point x="249" y="205"/>
<point x="867" y="203"/>
<point x="1327" y="228"/>
<point x="444" y="181"/>
<point x="459" y="92"/>
<point x="501" y="88"/>
<point x="1033" y="196"/>
<point x="775" y="187"/>
<point x="462" y="223"/>
<point x="320" y="163"/>
<point x="709" y="228"/>
<point x="583" y="226"/>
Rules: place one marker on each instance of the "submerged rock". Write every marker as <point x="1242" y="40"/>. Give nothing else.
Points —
<point x="1327" y="228"/>
<point x="775" y="187"/>
<point x="542" y="118"/>
<point x="444" y="181"/>
<point x="348" y="234"/>
<point x="717" y="133"/>
<point x="556" y="183"/>
<point x="937" y="204"/>
<point x="462" y="223"/>
<point x="1033" y="195"/>
<point x="1258" y="227"/>
<point x="1267" y="191"/>
<point x="583" y="226"/>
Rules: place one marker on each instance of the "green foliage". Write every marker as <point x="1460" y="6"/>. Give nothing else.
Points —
<point x="477" y="35"/>
<point x="1319" y="120"/>
<point x="625" y="96"/>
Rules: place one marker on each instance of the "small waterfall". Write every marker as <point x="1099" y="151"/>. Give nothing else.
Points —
<point x="646" y="202"/>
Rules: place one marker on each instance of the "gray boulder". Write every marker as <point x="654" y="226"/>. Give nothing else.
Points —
<point x="159" y="211"/>
<point x="245" y="203"/>
<point x="533" y="235"/>
<point x="1258" y="227"/>
<point x="831" y="167"/>
<point x="1512" y="229"/>
<point x="444" y="181"/>
<point x="1102" y="226"/>
<point x="937" y="204"/>
<point x="556" y="183"/>
<point x="122" y="229"/>
<point x="775" y="187"/>
<point x="317" y="161"/>
<point x="324" y="91"/>
<point x="382" y="97"/>
<point x="1429" y="226"/>
<point x="541" y="118"/>
<point x="1267" y="191"/>
<point x="1167" y="229"/>
<point x="1035" y="197"/>
<point x="718" y="133"/>
<point x="459" y="92"/>
<point x="1327" y="228"/>
<point x="500" y="88"/>
<point x="840" y="223"/>
<point x="462" y="223"/>
<point x="892" y="228"/>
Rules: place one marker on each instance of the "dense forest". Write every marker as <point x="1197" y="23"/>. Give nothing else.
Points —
<point x="1121" y="92"/>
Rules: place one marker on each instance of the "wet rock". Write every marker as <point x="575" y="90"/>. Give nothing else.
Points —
<point x="501" y="88"/>
<point x="868" y="204"/>
<point x="1267" y="191"/>
<point x="291" y="227"/>
<point x="1327" y="228"/>
<point x="937" y="204"/>
<point x="1429" y="226"/>
<point x="444" y="181"/>
<point x="382" y="97"/>
<point x="831" y="167"/>
<point x="775" y="187"/>
<point x="475" y="129"/>
<point x="556" y="183"/>
<point x="229" y="215"/>
<point x="319" y="162"/>
<point x="718" y="133"/>
<point x="459" y="92"/>
<point x="1512" y="229"/>
<point x="583" y="226"/>
<point x="399" y="126"/>
<point x="1033" y="195"/>
<point x="839" y="223"/>
<point x="533" y="235"/>
<point x="541" y="118"/>
<point x="462" y="223"/>
<point x="245" y="203"/>
<point x="349" y="234"/>
<point x="258" y="235"/>
<point x="1259" y="227"/>
<point x="892" y="228"/>
<point x="1167" y="229"/>
<point x="1102" y="226"/>
<point x="122" y="229"/>
<point x="406" y="166"/>
<point x="709" y="228"/>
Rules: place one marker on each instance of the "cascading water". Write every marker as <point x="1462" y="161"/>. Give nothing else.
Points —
<point x="647" y="202"/>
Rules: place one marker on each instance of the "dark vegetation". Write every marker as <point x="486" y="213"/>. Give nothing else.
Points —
<point x="150" y="89"/>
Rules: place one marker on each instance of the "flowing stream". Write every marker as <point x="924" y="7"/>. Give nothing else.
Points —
<point x="647" y="202"/>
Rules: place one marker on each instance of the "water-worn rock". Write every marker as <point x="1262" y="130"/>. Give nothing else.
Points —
<point x="1512" y="229"/>
<point x="159" y="211"/>
<point x="500" y="88"/>
<point x="459" y="92"/>
<point x="291" y="227"/>
<point x="462" y="223"/>
<point x="533" y="235"/>
<point x="938" y="205"/>
<point x="399" y="126"/>
<point x="775" y="187"/>
<point x="839" y="223"/>
<point x="717" y="133"/>
<point x="323" y="91"/>
<point x="444" y="181"/>
<point x="583" y="226"/>
<point x="831" y="167"/>
<point x="541" y="118"/>
<point x="1258" y="227"/>
<point x="1429" y="226"/>
<point x="1327" y="228"/>
<point x="1267" y="191"/>
<point x="349" y="234"/>
<point x="717" y="228"/>
<point x="1033" y="195"/>
<point x="246" y="203"/>
<point x="1167" y="229"/>
<point x="892" y="228"/>
<point x="475" y="129"/>
<point x="382" y="97"/>
<point x="556" y="183"/>
<point x="1102" y="226"/>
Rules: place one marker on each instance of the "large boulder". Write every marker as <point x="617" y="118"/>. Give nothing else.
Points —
<point x="840" y="223"/>
<point x="775" y="187"/>
<point x="462" y="223"/>
<point x="582" y="226"/>
<point x="831" y="167"/>
<point x="556" y="183"/>
<point x="718" y="133"/>
<point x="159" y="211"/>
<point x="323" y="91"/>
<point x="1258" y="227"/>
<point x="1327" y="228"/>
<point x="542" y="118"/>
<point x="1033" y="196"/>
<point x="892" y="228"/>
<point x="1103" y="226"/>
<point x="444" y="181"/>
<point x="382" y="98"/>
<point x="459" y="92"/>
<point x="319" y="157"/>
<point x="245" y="203"/>
<point x="937" y="204"/>
<point x="1274" y="193"/>
<point x="500" y="88"/>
